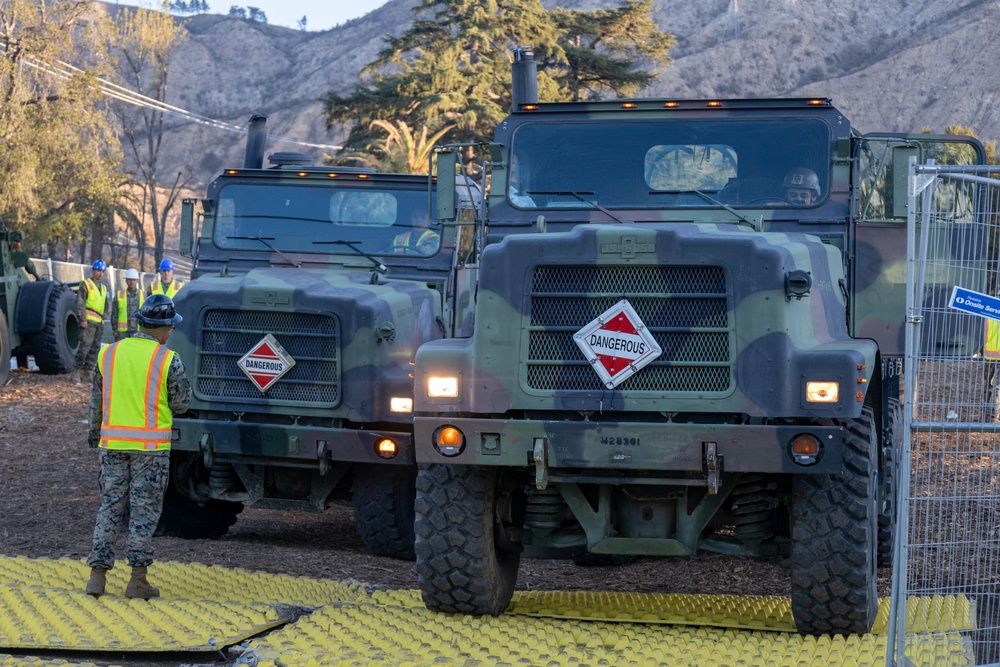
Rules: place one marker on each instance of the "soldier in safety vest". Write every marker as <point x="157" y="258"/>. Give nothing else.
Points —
<point x="165" y="284"/>
<point x="92" y="300"/>
<point x="125" y="305"/>
<point x="991" y="379"/>
<point x="419" y="240"/>
<point x="139" y="386"/>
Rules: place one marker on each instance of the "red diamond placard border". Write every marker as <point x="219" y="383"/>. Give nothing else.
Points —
<point x="619" y="318"/>
<point x="262" y="378"/>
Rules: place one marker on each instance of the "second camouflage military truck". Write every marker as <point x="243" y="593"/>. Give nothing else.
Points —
<point x="37" y="317"/>
<point x="669" y="356"/>
<point x="312" y="289"/>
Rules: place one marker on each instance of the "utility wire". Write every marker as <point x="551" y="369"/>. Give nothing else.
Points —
<point x="123" y="94"/>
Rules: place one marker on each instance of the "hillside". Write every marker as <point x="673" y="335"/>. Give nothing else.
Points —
<point x="891" y="65"/>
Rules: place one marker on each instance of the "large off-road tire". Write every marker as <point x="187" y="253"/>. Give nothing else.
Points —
<point x="187" y="518"/>
<point x="890" y="479"/>
<point x="383" y="509"/>
<point x="55" y="346"/>
<point x="465" y="564"/>
<point x="834" y="533"/>
<point x="5" y="350"/>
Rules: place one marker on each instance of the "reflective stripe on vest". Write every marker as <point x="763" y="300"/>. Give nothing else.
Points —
<point x="991" y="350"/>
<point x="122" y="325"/>
<point x="172" y="288"/>
<point x="136" y="414"/>
<point x="403" y="240"/>
<point x="97" y="299"/>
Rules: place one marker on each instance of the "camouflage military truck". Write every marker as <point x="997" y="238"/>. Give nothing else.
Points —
<point x="37" y="317"/>
<point x="301" y="323"/>
<point x="668" y="355"/>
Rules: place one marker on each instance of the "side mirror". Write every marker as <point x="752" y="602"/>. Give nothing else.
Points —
<point x="900" y="173"/>
<point x="447" y="206"/>
<point x="187" y="226"/>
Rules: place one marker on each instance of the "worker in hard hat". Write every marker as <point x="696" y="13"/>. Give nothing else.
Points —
<point x="165" y="284"/>
<point x="125" y="305"/>
<point x="92" y="299"/>
<point x="139" y="387"/>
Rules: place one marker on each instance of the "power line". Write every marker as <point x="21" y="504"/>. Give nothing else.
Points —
<point x="123" y="94"/>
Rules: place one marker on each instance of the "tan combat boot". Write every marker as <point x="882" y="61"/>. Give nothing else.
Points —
<point x="98" y="580"/>
<point x="139" y="587"/>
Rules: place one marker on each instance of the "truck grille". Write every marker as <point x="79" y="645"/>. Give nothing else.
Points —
<point x="686" y="308"/>
<point x="311" y="339"/>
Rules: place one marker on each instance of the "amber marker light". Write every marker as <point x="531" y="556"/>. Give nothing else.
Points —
<point x="303" y="173"/>
<point x="529" y="107"/>
<point x="628" y="105"/>
<point x="449" y="441"/>
<point x="401" y="404"/>
<point x="822" y="392"/>
<point x="386" y="449"/>
<point x="714" y="103"/>
<point x="332" y="175"/>
<point x="816" y="103"/>
<point x="362" y="175"/>
<point x="231" y="172"/>
<point x="805" y="449"/>
<point x="671" y="105"/>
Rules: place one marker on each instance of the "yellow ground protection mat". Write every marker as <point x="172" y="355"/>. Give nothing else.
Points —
<point x="42" y="605"/>
<point x="11" y="661"/>
<point x="368" y="635"/>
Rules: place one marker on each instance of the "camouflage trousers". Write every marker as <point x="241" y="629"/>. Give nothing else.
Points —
<point x="132" y="488"/>
<point x="90" y="345"/>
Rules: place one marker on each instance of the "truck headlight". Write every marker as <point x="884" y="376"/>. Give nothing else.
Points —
<point x="401" y="404"/>
<point x="822" y="392"/>
<point x="442" y="386"/>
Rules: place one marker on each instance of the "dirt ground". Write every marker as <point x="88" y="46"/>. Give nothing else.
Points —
<point x="49" y="497"/>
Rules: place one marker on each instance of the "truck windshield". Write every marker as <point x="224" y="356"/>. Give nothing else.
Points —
<point x="670" y="163"/>
<point x="304" y="218"/>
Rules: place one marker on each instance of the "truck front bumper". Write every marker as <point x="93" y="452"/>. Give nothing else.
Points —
<point x="638" y="446"/>
<point x="298" y="446"/>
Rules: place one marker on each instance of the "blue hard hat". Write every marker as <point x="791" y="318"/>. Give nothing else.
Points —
<point x="166" y="265"/>
<point x="99" y="265"/>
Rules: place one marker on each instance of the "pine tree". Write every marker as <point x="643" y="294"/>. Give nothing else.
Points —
<point x="452" y="67"/>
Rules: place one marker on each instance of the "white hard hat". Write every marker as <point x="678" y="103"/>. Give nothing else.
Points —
<point x="131" y="274"/>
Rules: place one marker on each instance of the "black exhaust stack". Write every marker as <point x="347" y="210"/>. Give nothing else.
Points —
<point x="256" y="140"/>
<point x="524" y="78"/>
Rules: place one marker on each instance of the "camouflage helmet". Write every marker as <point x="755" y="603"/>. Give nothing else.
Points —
<point x="804" y="178"/>
<point x="158" y="311"/>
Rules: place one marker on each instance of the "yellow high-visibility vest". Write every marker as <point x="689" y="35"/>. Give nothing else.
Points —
<point x="171" y="289"/>
<point x="136" y="414"/>
<point x="122" y="325"/>
<point x="403" y="240"/>
<point x="991" y="350"/>
<point x="97" y="299"/>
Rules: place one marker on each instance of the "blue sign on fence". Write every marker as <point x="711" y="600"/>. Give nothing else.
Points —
<point x="975" y="303"/>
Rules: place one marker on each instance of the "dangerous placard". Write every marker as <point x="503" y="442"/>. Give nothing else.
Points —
<point x="266" y="362"/>
<point x="617" y="344"/>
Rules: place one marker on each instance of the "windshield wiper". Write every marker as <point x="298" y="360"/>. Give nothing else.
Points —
<point x="578" y="195"/>
<point x="379" y="266"/>
<point x="265" y="240"/>
<point x="713" y="200"/>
